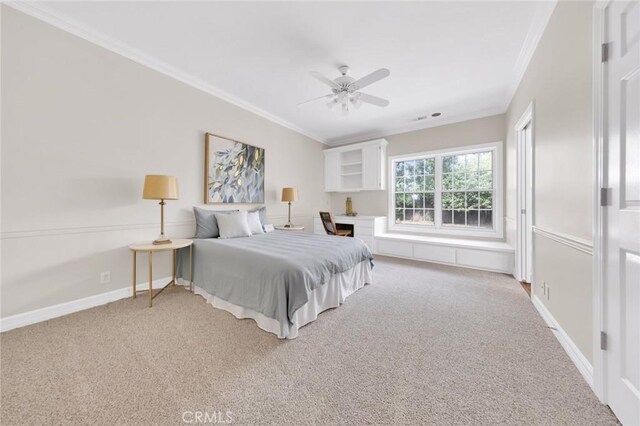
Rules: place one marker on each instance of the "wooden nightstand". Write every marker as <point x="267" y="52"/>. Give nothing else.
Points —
<point x="150" y="249"/>
<point x="293" y="228"/>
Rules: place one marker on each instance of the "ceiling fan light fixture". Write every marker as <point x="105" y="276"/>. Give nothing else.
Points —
<point x="345" y="89"/>
<point x="333" y="104"/>
<point x="356" y="102"/>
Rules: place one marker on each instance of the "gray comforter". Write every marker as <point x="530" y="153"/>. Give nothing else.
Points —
<point x="271" y="273"/>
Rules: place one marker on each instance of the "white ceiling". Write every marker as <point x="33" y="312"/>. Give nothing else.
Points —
<point x="463" y="59"/>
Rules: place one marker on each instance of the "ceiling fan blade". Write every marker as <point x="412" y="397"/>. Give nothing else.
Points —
<point x="323" y="79"/>
<point x="371" y="78"/>
<point x="317" y="99"/>
<point x="373" y="100"/>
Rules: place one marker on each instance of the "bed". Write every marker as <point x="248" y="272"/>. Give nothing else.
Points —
<point x="281" y="279"/>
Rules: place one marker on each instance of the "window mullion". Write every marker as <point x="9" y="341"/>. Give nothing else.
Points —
<point x="438" y="193"/>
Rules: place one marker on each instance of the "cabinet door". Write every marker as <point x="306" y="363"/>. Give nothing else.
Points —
<point x="331" y="171"/>
<point x="371" y="163"/>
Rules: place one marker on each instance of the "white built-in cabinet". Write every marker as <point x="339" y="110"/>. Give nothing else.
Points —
<point x="357" y="167"/>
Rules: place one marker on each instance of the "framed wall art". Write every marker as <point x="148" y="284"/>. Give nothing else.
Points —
<point x="234" y="171"/>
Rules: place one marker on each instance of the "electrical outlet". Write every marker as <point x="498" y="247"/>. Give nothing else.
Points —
<point x="105" y="277"/>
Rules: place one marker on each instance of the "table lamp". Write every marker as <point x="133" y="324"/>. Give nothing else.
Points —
<point x="157" y="187"/>
<point x="289" y="195"/>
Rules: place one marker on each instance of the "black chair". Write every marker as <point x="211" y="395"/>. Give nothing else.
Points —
<point x="330" y="225"/>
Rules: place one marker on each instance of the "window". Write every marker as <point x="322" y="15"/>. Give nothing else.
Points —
<point x="455" y="192"/>
<point x="415" y="191"/>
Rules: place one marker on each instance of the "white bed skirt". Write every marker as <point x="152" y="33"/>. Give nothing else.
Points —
<point x="327" y="296"/>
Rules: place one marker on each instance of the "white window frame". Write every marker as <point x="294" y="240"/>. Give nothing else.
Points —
<point x="437" y="228"/>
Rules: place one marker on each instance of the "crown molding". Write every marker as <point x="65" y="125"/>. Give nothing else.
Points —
<point x="417" y="126"/>
<point x="41" y="12"/>
<point x="536" y="30"/>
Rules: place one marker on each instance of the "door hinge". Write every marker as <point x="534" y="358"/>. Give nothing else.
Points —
<point x="603" y="341"/>
<point x="604" y="54"/>
<point x="605" y="197"/>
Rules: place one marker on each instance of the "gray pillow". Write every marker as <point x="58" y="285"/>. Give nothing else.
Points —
<point x="262" y="211"/>
<point x="206" y="224"/>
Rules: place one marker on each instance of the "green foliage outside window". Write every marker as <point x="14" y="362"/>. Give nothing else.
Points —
<point x="466" y="190"/>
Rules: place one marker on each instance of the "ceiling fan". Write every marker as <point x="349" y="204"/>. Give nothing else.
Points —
<point x="345" y="89"/>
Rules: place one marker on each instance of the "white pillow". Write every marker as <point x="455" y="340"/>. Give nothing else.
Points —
<point x="233" y="225"/>
<point x="255" y="225"/>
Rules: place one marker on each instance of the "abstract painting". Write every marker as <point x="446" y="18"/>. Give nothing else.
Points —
<point x="234" y="171"/>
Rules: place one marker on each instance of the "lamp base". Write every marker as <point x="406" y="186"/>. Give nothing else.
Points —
<point x="161" y="240"/>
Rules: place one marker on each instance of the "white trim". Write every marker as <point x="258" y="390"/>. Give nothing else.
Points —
<point x="576" y="243"/>
<point x="88" y="229"/>
<point x="41" y="12"/>
<point x="417" y="126"/>
<point x="578" y="358"/>
<point x="498" y="166"/>
<point x="526" y="117"/>
<point x="599" y="181"/>
<point x="524" y="173"/>
<point x="52" y="232"/>
<point x="1" y="133"/>
<point x="55" y="311"/>
<point x="347" y="147"/>
<point x="536" y="30"/>
<point x="496" y="246"/>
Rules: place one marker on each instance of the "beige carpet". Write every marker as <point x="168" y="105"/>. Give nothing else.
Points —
<point x="426" y="344"/>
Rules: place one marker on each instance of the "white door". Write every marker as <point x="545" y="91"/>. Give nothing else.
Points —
<point x="621" y="243"/>
<point x="524" y="220"/>
<point x="528" y="200"/>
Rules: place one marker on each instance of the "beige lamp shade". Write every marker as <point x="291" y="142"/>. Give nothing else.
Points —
<point x="158" y="187"/>
<point x="289" y="194"/>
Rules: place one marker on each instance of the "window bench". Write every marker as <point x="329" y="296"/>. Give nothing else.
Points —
<point x="492" y="256"/>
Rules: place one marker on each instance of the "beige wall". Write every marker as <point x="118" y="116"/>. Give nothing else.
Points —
<point x="558" y="80"/>
<point x="472" y="132"/>
<point x="81" y="126"/>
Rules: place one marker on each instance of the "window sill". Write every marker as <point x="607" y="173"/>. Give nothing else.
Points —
<point x="453" y="231"/>
<point x="498" y="246"/>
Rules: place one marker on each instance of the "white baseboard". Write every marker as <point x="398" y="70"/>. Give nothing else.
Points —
<point x="582" y="364"/>
<point x="50" y="312"/>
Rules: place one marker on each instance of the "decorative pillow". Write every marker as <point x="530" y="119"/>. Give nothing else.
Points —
<point x="206" y="225"/>
<point x="269" y="228"/>
<point x="262" y="211"/>
<point x="233" y="225"/>
<point x="253" y="219"/>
